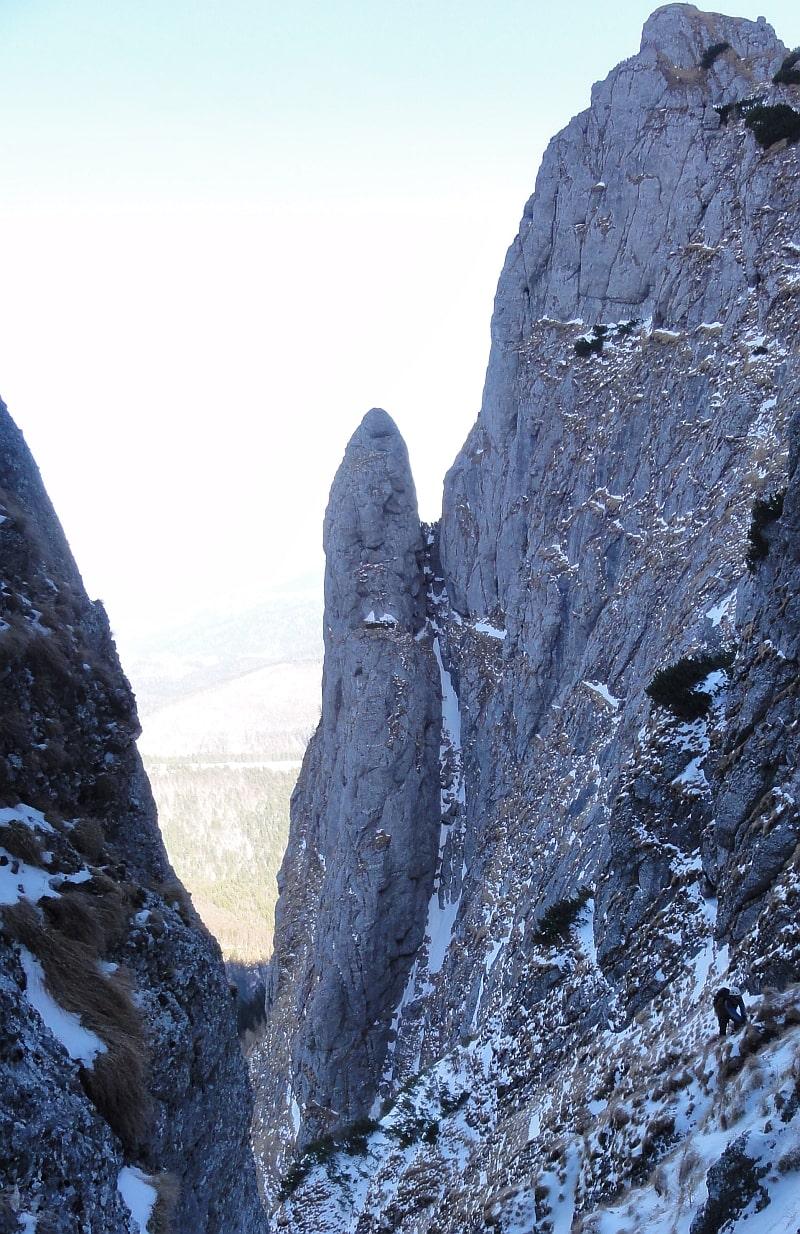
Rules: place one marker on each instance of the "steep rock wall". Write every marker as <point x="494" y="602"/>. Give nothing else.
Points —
<point x="605" y="859"/>
<point x="357" y="876"/>
<point x="118" y="1055"/>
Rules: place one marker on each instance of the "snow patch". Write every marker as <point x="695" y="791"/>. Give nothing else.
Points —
<point x="693" y="775"/>
<point x="584" y="929"/>
<point x="139" y="1195"/>
<point x="599" y="688"/>
<point x="81" y="1044"/>
<point x="486" y="627"/>
<point x="19" y="881"/>
<point x="24" y="814"/>
<point x="722" y="611"/>
<point x="386" y="619"/>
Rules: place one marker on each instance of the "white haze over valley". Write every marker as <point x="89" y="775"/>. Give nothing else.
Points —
<point x="230" y="231"/>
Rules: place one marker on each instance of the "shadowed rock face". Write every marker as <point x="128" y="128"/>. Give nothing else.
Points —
<point x="119" y="942"/>
<point x="751" y="848"/>
<point x="358" y="871"/>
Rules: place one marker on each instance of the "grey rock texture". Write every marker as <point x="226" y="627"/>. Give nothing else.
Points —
<point x="358" y="872"/>
<point x="605" y="860"/>
<point x="733" y="1186"/>
<point x="115" y="935"/>
<point x="752" y="846"/>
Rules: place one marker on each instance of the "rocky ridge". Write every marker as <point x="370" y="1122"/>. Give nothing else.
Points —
<point x="618" y="708"/>
<point x="125" y="1098"/>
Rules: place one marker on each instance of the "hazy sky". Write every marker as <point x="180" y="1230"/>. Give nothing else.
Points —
<point x="232" y="226"/>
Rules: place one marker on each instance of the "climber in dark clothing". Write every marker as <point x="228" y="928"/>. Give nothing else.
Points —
<point x="729" y="1009"/>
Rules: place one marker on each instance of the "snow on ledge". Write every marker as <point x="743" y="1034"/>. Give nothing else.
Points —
<point x="386" y="619"/>
<point x="139" y="1195"/>
<point x="693" y="776"/>
<point x="486" y="627"/>
<point x="24" y="814"/>
<point x="81" y="1044"/>
<point x="19" y="881"/>
<point x="599" y="688"/>
<point x="722" y="611"/>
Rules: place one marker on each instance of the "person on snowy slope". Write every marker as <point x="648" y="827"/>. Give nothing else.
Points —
<point x="729" y="1009"/>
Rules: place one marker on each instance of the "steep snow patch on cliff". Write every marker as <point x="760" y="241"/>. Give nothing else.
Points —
<point x="79" y="1042"/>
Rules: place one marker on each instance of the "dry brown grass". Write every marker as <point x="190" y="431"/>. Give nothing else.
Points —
<point x="40" y="652"/>
<point x="175" y="894"/>
<point x="168" y="1190"/>
<point x="21" y="841"/>
<point x="98" y="921"/>
<point x="790" y="1161"/>
<point x="87" y="836"/>
<point x="678" y="1080"/>
<point x="689" y="1163"/>
<point x="117" y="1082"/>
<point x="660" y="1128"/>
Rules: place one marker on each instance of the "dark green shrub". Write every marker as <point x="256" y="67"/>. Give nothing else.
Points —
<point x="414" y="1130"/>
<point x="449" y="1105"/>
<point x="624" y="328"/>
<point x="711" y="53"/>
<point x="771" y="124"/>
<point x="765" y="511"/>
<point x="554" y="924"/>
<point x="675" y="687"/>
<point x="789" y="74"/>
<point x="586" y="346"/>
<point x="352" y="1141"/>
<point x="732" y="111"/>
<point x="292" y="1180"/>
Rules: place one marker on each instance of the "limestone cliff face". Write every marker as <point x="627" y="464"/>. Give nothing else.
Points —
<point x="618" y="690"/>
<point x="119" y="1063"/>
<point x="359" y="868"/>
<point x="751" y="846"/>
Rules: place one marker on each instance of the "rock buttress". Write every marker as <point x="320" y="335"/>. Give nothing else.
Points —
<point x="358" y="872"/>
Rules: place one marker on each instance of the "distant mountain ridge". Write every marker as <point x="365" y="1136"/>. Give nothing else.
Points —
<point x="209" y="649"/>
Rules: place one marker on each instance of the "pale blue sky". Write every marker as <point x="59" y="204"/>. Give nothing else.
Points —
<point x="231" y="227"/>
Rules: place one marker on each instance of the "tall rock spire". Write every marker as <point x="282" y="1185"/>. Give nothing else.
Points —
<point x="372" y="537"/>
<point x="358" y="872"/>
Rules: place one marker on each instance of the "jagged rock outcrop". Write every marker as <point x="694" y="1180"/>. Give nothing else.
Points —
<point x="120" y="1070"/>
<point x="618" y="752"/>
<point x="358" y="871"/>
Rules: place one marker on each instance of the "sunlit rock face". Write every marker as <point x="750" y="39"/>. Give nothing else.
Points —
<point x="617" y="759"/>
<point x="359" y="868"/>
<point x="121" y="1077"/>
